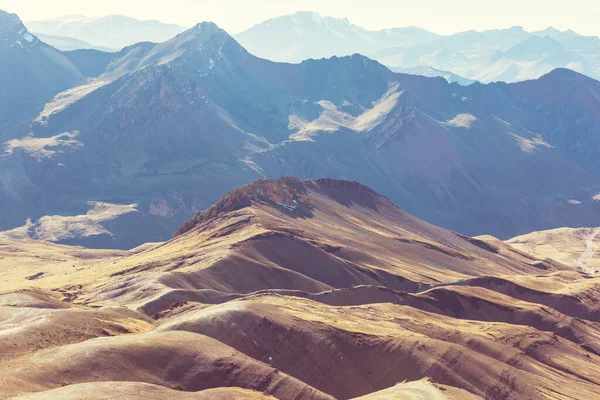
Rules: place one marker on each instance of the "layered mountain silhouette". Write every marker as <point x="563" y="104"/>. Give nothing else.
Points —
<point x="171" y="127"/>
<point x="304" y="35"/>
<point x="496" y="55"/>
<point x="266" y="230"/>
<point x="110" y="32"/>
<point x="425" y="70"/>
<point x="298" y="290"/>
<point x="66" y="43"/>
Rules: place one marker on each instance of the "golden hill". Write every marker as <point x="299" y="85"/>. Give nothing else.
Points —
<point x="577" y="247"/>
<point x="298" y="290"/>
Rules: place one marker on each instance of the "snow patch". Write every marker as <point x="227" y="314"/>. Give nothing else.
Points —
<point x="532" y="144"/>
<point x="297" y="21"/>
<point x="317" y="19"/>
<point x="332" y="119"/>
<point x="39" y="148"/>
<point x="68" y="97"/>
<point x="462" y="121"/>
<point x="29" y="37"/>
<point x="58" y="228"/>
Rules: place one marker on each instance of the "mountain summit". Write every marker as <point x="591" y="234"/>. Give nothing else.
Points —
<point x="205" y="42"/>
<point x="13" y="34"/>
<point x="197" y="50"/>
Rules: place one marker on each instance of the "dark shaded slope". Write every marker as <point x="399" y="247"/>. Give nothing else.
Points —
<point x="31" y="73"/>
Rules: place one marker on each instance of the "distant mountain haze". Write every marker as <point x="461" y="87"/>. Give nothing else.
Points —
<point x="508" y="55"/>
<point x="425" y="70"/>
<point x="68" y="43"/>
<point x="496" y="55"/>
<point x="110" y="32"/>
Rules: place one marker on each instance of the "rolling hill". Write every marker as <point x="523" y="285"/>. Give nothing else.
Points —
<point x="571" y="246"/>
<point x="302" y="289"/>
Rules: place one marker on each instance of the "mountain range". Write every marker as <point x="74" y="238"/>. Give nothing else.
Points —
<point x="329" y="229"/>
<point x="66" y="43"/>
<point x="507" y="55"/>
<point x="110" y="32"/>
<point x="163" y="130"/>
<point x="290" y="289"/>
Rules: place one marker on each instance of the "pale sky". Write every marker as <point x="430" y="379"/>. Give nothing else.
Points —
<point x="440" y="16"/>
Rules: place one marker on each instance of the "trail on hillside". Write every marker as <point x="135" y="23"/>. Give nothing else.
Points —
<point x="590" y="250"/>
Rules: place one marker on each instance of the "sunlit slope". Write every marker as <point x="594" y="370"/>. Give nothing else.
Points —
<point x="297" y="290"/>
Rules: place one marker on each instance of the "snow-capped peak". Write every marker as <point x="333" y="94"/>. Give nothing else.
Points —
<point x="306" y="17"/>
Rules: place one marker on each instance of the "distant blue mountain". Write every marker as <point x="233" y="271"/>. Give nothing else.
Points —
<point x="110" y="32"/>
<point x="502" y="54"/>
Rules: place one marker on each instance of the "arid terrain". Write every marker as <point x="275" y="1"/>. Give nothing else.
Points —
<point x="577" y="247"/>
<point x="294" y="289"/>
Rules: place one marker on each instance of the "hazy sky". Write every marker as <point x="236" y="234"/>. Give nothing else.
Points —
<point x="441" y="16"/>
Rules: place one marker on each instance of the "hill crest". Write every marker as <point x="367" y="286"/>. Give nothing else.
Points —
<point x="286" y="192"/>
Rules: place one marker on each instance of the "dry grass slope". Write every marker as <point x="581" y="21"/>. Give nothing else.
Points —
<point x="298" y="290"/>
<point x="577" y="247"/>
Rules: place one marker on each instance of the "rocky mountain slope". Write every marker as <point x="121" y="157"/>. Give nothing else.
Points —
<point x="173" y="126"/>
<point x="304" y="289"/>
<point x="31" y="73"/>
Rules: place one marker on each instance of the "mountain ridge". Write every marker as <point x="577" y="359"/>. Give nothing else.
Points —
<point x="113" y="31"/>
<point x="13" y="32"/>
<point x="470" y="54"/>
<point x="385" y="44"/>
<point x="163" y="121"/>
<point x="32" y="73"/>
